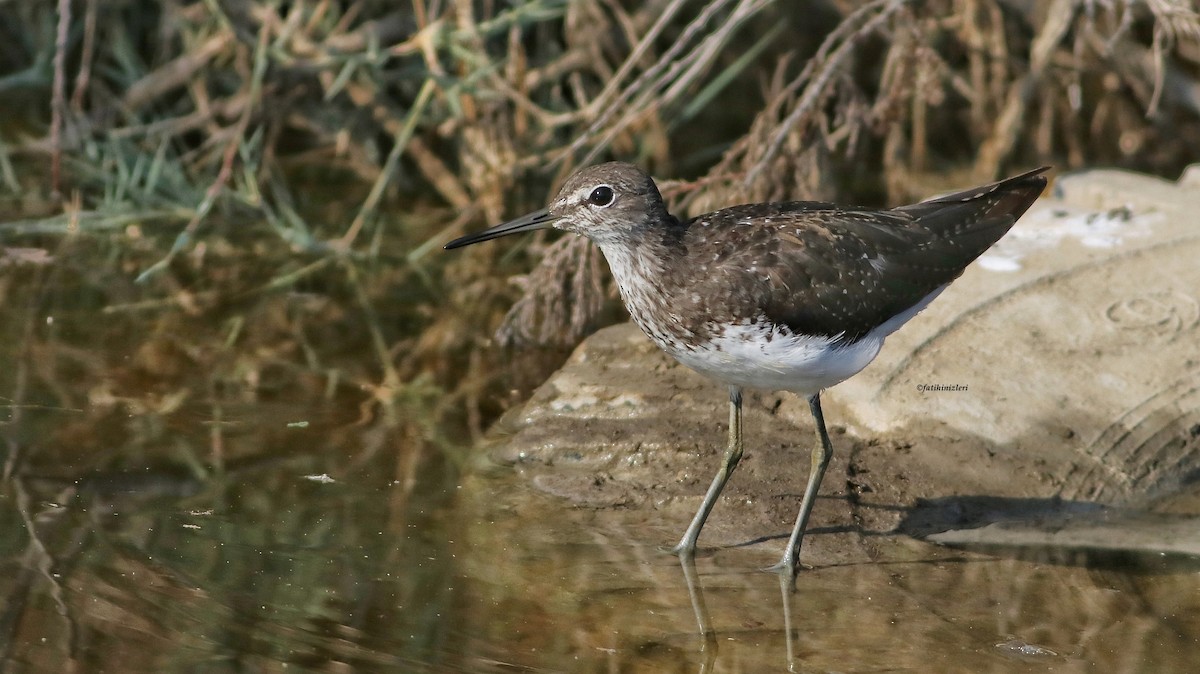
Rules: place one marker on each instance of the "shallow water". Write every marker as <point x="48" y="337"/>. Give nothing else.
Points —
<point x="312" y="563"/>
<point x="165" y="510"/>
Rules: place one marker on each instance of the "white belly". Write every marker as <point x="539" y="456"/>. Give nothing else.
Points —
<point x="742" y="356"/>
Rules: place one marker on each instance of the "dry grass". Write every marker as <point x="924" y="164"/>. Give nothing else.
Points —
<point x="343" y="142"/>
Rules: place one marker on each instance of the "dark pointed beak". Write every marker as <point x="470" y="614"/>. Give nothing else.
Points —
<point x="536" y="220"/>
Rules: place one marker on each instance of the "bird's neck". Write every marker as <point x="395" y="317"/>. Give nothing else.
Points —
<point x="644" y="269"/>
<point x="646" y="251"/>
<point x="632" y="263"/>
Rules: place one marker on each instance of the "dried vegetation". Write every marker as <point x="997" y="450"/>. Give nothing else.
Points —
<point x="254" y="193"/>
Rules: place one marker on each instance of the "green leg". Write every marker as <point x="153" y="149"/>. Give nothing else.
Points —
<point x="821" y="454"/>
<point x="733" y="453"/>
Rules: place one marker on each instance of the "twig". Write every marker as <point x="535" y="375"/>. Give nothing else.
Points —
<point x="603" y="102"/>
<point x="389" y="166"/>
<point x="86" y="57"/>
<point x="58" y="104"/>
<point x="670" y="85"/>
<point x="226" y="171"/>
<point x="1003" y="138"/>
<point x="828" y="67"/>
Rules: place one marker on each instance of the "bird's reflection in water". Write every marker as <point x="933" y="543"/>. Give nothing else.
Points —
<point x="708" y="634"/>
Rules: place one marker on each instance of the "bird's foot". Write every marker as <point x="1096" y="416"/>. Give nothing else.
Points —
<point x="787" y="567"/>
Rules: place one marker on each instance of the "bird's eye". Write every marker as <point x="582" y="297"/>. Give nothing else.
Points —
<point x="601" y="196"/>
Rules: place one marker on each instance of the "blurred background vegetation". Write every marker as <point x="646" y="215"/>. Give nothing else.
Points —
<point x="211" y="203"/>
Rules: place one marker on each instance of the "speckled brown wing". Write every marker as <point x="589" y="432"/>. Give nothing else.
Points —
<point x="824" y="270"/>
